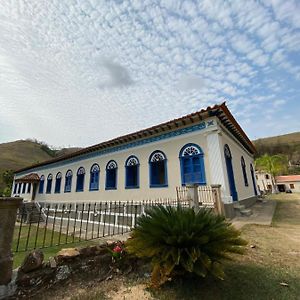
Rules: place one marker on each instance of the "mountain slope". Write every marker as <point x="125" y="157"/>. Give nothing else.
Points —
<point x="21" y="153"/>
<point x="290" y="138"/>
<point x="287" y="144"/>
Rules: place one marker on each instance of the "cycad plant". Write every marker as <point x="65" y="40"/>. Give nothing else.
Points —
<point x="179" y="240"/>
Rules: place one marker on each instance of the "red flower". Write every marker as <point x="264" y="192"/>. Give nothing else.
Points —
<point x="117" y="249"/>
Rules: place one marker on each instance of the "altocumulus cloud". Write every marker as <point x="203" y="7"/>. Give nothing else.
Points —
<point x="79" y="72"/>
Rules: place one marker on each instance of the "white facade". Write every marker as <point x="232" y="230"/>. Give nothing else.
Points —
<point x="211" y="137"/>
<point x="288" y="183"/>
<point x="264" y="182"/>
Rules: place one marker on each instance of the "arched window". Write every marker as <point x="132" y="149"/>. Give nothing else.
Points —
<point x="57" y="183"/>
<point x="94" y="177"/>
<point x="68" y="181"/>
<point x="49" y="184"/>
<point x="192" y="165"/>
<point x="24" y="188"/>
<point x="230" y="174"/>
<point x="111" y="175"/>
<point x="29" y="188"/>
<point x="132" y="172"/>
<point x="80" y="179"/>
<point x="253" y="179"/>
<point x="244" y="171"/>
<point x="158" y="169"/>
<point x="41" y="185"/>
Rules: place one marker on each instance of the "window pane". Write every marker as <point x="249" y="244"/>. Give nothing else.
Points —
<point x="132" y="176"/>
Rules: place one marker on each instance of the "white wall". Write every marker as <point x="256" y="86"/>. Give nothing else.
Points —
<point x="171" y="147"/>
<point x="237" y="151"/>
<point x="263" y="182"/>
<point x="296" y="184"/>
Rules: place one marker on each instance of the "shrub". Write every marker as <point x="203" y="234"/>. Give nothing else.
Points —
<point x="178" y="241"/>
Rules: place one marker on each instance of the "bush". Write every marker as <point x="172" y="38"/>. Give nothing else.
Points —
<point x="178" y="241"/>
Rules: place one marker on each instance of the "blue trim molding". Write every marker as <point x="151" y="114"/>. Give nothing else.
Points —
<point x="178" y="132"/>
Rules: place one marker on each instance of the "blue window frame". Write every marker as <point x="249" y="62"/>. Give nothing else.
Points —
<point x="192" y="165"/>
<point x="158" y="169"/>
<point x="49" y="184"/>
<point x="41" y="185"/>
<point x="29" y="188"/>
<point x="230" y="173"/>
<point x="94" y="177"/>
<point x="24" y="188"/>
<point x="57" y="183"/>
<point x="80" y="179"/>
<point x="132" y="172"/>
<point x="244" y="171"/>
<point x="15" y="188"/>
<point x="68" y="181"/>
<point x="19" y="188"/>
<point x="111" y="175"/>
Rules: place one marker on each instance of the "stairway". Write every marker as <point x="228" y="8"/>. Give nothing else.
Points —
<point x="241" y="210"/>
<point x="31" y="213"/>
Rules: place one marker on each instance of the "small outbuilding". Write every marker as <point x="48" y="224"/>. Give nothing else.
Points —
<point x="288" y="183"/>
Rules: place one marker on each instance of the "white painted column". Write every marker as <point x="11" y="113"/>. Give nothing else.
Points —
<point x="217" y="165"/>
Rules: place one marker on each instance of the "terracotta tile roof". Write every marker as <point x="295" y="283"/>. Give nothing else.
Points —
<point x="32" y="177"/>
<point x="287" y="178"/>
<point x="219" y="110"/>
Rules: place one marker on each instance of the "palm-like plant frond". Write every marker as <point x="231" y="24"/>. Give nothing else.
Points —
<point x="181" y="239"/>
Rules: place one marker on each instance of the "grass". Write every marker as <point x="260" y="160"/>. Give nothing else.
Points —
<point x="53" y="243"/>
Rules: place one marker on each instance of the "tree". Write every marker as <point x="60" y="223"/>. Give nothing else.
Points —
<point x="8" y="177"/>
<point x="272" y="164"/>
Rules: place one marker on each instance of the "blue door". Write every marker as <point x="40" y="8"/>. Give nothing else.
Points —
<point x="230" y="174"/>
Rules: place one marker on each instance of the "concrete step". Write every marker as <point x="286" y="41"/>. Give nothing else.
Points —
<point x="239" y="206"/>
<point x="31" y="213"/>
<point x="246" y="212"/>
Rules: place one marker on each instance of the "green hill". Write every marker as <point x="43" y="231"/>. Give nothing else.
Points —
<point x="290" y="138"/>
<point x="19" y="154"/>
<point x="22" y="153"/>
<point x="287" y="144"/>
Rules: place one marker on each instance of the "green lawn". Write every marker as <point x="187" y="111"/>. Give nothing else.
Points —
<point x="41" y="238"/>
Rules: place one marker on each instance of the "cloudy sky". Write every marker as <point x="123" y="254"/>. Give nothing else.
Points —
<point x="78" y="72"/>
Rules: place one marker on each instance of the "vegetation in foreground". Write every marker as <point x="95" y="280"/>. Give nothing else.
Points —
<point x="180" y="241"/>
<point x="270" y="269"/>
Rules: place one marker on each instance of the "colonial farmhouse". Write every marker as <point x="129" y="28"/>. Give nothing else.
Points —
<point x="207" y="147"/>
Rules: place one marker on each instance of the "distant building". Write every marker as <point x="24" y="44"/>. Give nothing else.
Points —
<point x="204" y="148"/>
<point x="288" y="182"/>
<point x="264" y="182"/>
